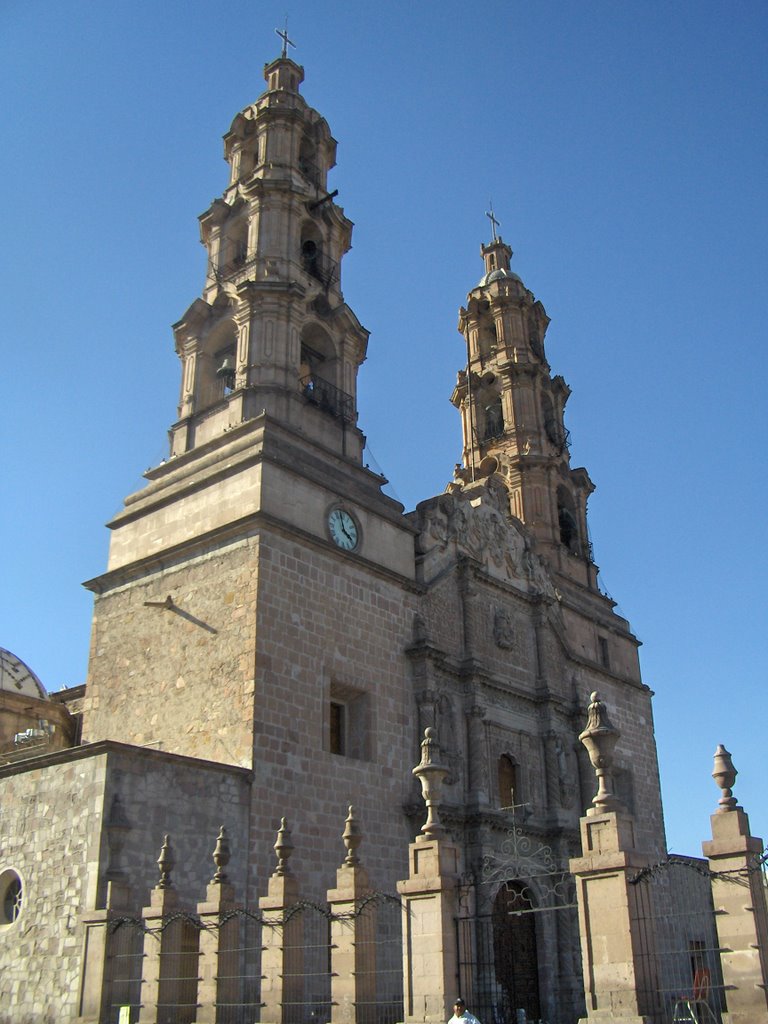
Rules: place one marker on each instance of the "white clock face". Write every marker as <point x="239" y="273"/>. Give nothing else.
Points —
<point x="343" y="529"/>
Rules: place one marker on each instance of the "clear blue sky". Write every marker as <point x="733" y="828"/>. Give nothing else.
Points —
<point x="624" y="146"/>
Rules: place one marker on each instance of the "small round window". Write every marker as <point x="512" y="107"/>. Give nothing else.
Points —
<point x="11" y="895"/>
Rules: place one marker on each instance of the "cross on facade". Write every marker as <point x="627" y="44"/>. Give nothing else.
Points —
<point x="284" y="36"/>
<point x="494" y="222"/>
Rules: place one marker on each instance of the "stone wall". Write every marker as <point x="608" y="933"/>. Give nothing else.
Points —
<point x="182" y="677"/>
<point x="331" y="627"/>
<point x="58" y="825"/>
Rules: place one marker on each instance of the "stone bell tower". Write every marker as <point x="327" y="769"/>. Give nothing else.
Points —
<point x="272" y="332"/>
<point x="512" y="411"/>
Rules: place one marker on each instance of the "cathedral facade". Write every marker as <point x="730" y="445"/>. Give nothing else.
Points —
<point x="273" y="633"/>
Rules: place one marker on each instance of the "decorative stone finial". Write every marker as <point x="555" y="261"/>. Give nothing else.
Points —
<point x="221" y="857"/>
<point x="352" y="837"/>
<point x="431" y="775"/>
<point x="283" y="848"/>
<point x="724" y="775"/>
<point x="166" y="862"/>
<point x="600" y="739"/>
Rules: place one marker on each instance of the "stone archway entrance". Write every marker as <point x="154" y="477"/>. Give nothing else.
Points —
<point x="514" y="950"/>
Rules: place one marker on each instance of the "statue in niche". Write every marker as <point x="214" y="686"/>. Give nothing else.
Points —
<point x="447" y="737"/>
<point x="503" y="630"/>
<point x="566" y="780"/>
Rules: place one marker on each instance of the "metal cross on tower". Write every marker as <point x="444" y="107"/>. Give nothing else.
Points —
<point x="284" y="36"/>
<point x="494" y="222"/>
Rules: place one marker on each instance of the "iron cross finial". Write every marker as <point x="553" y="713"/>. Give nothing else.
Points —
<point x="284" y="36"/>
<point x="494" y="222"/>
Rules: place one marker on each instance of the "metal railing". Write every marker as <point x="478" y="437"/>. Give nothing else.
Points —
<point x="328" y="398"/>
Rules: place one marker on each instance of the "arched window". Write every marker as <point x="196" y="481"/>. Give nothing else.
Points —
<point x="11" y="895"/>
<point x="507" y="779"/>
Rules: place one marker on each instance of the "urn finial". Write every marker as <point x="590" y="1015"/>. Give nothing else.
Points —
<point x="352" y="837"/>
<point x="166" y="862"/>
<point x="431" y="774"/>
<point x="600" y="739"/>
<point x="283" y="848"/>
<point x="724" y="775"/>
<point x="221" y="857"/>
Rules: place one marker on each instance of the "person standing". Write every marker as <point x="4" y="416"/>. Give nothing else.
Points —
<point x="461" y="1014"/>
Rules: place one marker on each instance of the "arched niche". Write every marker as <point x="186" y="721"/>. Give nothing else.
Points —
<point x="507" y="777"/>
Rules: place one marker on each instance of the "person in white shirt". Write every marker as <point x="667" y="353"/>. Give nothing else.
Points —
<point x="461" y="1014"/>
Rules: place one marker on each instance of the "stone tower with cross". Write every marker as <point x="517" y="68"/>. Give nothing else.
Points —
<point x="512" y="411"/>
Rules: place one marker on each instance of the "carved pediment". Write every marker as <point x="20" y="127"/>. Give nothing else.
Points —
<point x="474" y="521"/>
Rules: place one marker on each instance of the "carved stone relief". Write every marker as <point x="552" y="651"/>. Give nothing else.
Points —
<point x="474" y="520"/>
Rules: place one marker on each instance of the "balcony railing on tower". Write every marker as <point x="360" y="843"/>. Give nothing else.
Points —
<point x="328" y="398"/>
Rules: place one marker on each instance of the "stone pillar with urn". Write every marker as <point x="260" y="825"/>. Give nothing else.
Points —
<point x="282" y="957"/>
<point x="430" y="904"/>
<point x="739" y="897"/>
<point x="218" y="983"/>
<point x="353" y="937"/>
<point x="169" y="967"/>
<point x="617" y="938"/>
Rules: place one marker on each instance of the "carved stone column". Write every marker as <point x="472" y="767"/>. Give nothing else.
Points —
<point x="739" y="899"/>
<point x="430" y="906"/>
<point x="477" y="756"/>
<point x="282" y="959"/>
<point x="353" y="938"/>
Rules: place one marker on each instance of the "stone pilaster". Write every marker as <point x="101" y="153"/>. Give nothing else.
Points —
<point x="477" y="756"/>
<point x="739" y="899"/>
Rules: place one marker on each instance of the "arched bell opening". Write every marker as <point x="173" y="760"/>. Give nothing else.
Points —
<point x="567" y="521"/>
<point x="313" y="257"/>
<point x="308" y="164"/>
<point x="234" y="250"/>
<point x="515" y="952"/>
<point x="216" y="366"/>
<point x="320" y="373"/>
<point x="491" y="413"/>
